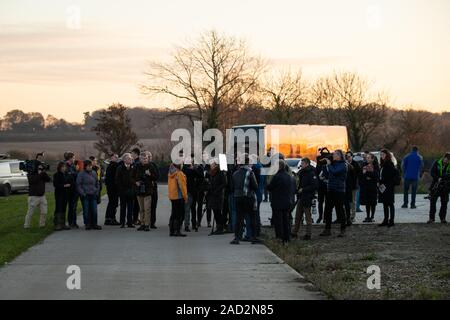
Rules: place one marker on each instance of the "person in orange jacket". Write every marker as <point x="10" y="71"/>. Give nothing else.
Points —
<point x="178" y="196"/>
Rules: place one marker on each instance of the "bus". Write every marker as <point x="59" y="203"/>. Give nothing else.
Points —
<point x="293" y="141"/>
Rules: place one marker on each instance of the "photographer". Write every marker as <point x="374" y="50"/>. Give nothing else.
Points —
<point x="336" y="170"/>
<point x="440" y="188"/>
<point x="36" y="195"/>
<point x="308" y="185"/>
<point x="143" y="177"/>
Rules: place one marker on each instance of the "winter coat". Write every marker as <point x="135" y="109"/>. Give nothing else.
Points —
<point x="368" y="186"/>
<point x="110" y="177"/>
<point x="139" y="175"/>
<point x="216" y="191"/>
<point x="124" y="180"/>
<point x="87" y="183"/>
<point x="238" y="183"/>
<point x="192" y="177"/>
<point x="412" y="166"/>
<point x="282" y="191"/>
<point x="337" y="176"/>
<point x="309" y="183"/>
<point x="37" y="183"/>
<point x="388" y="174"/>
<point x="177" y="184"/>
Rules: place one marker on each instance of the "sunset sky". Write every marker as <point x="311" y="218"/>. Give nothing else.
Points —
<point x="55" y="63"/>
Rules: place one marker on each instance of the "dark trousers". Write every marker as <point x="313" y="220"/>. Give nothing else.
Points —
<point x="113" y="203"/>
<point x="153" y="207"/>
<point x="334" y="200"/>
<point x="200" y="198"/>
<point x="194" y="205"/>
<point x="126" y="209"/>
<point x="321" y="195"/>
<point x="413" y="184"/>
<point x="443" y="211"/>
<point x="90" y="209"/>
<point x="370" y="211"/>
<point x="282" y="224"/>
<point x="218" y="216"/>
<point x="244" y="207"/>
<point x="389" y="212"/>
<point x="135" y="209"/>
<point x="72" y="201"/>
<point x="177" y="215"/>
<point x="60" y="208"/>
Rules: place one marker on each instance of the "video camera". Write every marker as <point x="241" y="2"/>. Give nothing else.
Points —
<point x="324" y="154"/>
<point x="31" y="166"/>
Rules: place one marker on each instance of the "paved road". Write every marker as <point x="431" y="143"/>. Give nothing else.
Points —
<point x="125" y="264"/>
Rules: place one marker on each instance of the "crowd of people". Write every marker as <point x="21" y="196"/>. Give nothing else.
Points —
<point x="233" y="196"/>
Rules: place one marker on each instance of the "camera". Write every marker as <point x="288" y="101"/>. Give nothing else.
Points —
<point x="324" y="154"/>
<point x="31" y="166"/>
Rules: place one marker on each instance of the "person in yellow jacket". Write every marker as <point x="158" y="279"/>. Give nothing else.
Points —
<point x="178" y="196"/>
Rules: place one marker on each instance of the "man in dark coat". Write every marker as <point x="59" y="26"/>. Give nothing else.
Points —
<point x="216" y="194"/>
<point x="154" y="192"/>
<point x="125" y="188"/>
<point x="307" y="188"/>
<point x="111" y="189"/>
<point x="386" y="190"/>
<point x="440" y="188"/>
<point x="282" y="191"/>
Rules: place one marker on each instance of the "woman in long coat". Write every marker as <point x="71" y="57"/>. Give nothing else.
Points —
<point x="386" y="188"/>
<point x="216" y="193"/>
<point x="369" y="189"/>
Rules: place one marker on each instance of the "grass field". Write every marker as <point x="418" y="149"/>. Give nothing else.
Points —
<point x="14" y="239"/>
<point x="414" y="260"/>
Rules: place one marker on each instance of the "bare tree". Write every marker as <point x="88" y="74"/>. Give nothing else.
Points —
<point x="345" y="99"/>
<point x="114" y="130"/>
<point x="212" y="74"/>
<point x="286" y="96"/>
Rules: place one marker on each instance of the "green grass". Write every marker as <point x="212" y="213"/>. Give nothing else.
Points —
<point x="14" y="239"/>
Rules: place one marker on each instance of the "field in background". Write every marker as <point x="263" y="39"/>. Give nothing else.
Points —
<point x="84" y="149"/>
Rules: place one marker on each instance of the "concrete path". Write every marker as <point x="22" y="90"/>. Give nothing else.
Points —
<point x="125" y="264"/>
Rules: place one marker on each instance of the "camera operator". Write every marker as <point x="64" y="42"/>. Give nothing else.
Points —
<point x="143" y="176"/>
<point x="36" y="195"/>
<point x="336" y="169"/>
<point x="308" y="185"/>
<point x="440" y="188"/>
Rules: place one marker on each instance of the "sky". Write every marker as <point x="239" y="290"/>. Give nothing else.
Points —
<point x="66" y="57"/>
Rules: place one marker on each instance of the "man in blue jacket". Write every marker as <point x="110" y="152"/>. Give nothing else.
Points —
<point x="412" y="167"/>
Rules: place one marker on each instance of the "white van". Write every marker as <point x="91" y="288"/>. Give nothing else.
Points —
<point x="11" y="177"/>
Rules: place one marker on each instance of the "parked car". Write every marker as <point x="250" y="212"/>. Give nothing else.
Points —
<point x="294" y="164"/>
<point x="12" y="179"/>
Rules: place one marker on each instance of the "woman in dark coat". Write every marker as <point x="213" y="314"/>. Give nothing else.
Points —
<point x="216" y="193"/>
<point x="61" y="182"/>
<point x="386" y="188"/>
<point x="369" y="188"/>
